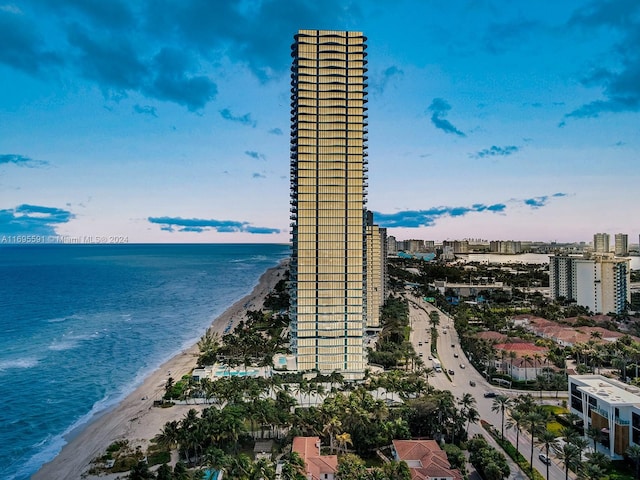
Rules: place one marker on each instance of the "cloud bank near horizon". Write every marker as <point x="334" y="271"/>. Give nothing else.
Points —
<point x="32" y="220"/>
<point x="200" y="225"/>
<point x="429" y="217"/>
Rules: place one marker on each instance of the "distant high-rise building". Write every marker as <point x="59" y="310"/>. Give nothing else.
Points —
<point x="328" y="191"/>
<point x="458" y="246"/>
<point x="600" y="283"/>
<point x="510" y="247"/>
<point x="601" y="243"/>
<point x="392" y="245"/>
<point x="376" y="272"/>
<point x="621" y="244"/>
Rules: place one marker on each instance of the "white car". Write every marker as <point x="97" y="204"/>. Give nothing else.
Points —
<point x="462" y="365"/>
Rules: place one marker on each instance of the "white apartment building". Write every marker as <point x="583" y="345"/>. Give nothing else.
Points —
<point x="601" y="283"/>
<point x="609" y="405"/>
<point x="601" y="243"/>
<point x="621" y="248"/>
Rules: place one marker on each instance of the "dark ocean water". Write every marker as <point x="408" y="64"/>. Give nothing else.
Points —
<point x="82" y="325"/>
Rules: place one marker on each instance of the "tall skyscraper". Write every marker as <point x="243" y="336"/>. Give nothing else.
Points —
<point x="328" y="191"/>
<point x="601" y="243"/>
<point x="376" y="254"/>
<point x="600" y="283"/>
<point x="621" y="244"/>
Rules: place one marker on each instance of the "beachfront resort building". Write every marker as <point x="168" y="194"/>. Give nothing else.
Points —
<point x="328" y="270"/>
<point x="599" y="282"/>
<point x="610" y="406"/>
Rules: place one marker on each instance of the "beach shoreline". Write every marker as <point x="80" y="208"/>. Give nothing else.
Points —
<point x="134" y="418"/>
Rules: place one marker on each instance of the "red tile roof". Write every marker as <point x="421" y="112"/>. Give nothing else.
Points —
<point x="315" y="464"/>
<point x="425" y="459"/>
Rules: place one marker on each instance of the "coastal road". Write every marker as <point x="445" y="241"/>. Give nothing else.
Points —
<point x="452" y="358"/>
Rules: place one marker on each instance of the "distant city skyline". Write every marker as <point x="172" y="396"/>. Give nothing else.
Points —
<point x="486" y="119"/>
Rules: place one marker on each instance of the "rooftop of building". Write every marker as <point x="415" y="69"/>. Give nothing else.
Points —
<point x="607" y="390"/>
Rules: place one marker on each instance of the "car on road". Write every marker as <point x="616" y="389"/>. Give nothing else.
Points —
<point x="462" y="365"/>
<point x="490" y="394"/>
<point x="544" y="459"/>
<point x="472" y="383"/>
<point x="451" y="372"/>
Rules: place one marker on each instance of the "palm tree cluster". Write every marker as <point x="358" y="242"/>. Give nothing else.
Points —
<point x="525" y="414"/>
<point x="437" y="415"/>
<point x="256" y="339"/>
<point x="489" y="462"/>
<point x="353" y="468"/>
<point x="393" y="348"/>
<point x="595" y="354"/>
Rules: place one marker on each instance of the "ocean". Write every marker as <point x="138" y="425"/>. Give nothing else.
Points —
<point x="83" y="325"/>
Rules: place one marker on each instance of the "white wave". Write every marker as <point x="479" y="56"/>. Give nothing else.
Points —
<point x="46" y="450"/>
<point x="62" y="319"/>
<point x="27" y="362"/>
<point x="70" y="342"/>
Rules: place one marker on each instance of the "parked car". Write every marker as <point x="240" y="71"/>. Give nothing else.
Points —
<point x="453" y="346"/>
<point x="419" y="344"/>
<point x="462" y="365"/>
<point x="544" y="459"/>
<point x="472" y="383"/>
<point x="420" y="353"/>
<point x="455" y="355"/>
<point x="490" y="394"/>
<point x="451" y="372"/>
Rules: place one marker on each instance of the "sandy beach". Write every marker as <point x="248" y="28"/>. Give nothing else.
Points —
<point x="135" y="419"/>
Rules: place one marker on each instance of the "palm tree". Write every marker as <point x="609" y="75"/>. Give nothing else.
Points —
<point x="512" y="356"/>
<point x="331" y="428"/>
<point x="343" y="439"/>
<point x="547" y="439"/>
<point x="500" y="404"/>
<point x="515" y="421"/>
<point x="534" y="419"/>
<point x="168" y="436"/>
<point x="570" y="455"/>
<point x="262" y="469"/>
<point x="526" y="359"/>
<point x="633" y="452"/>
<point x="468" y="410"/>
<point x="238" y="466"/>
<point x="293" y="468"/>
<point x="595" y="434"/>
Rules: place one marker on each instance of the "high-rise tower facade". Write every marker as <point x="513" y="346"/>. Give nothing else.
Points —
<point x="601" y="243"/>
<point x="328" y="194"/>
<point x="599" y="282"/>
<point x="621" y="244"/>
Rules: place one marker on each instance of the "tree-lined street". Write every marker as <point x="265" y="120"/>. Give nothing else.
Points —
<point x="460" y="383"/>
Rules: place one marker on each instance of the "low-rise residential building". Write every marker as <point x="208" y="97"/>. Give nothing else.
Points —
<point x="521" y="360"/>
<point x="426" y="460"/>
<point x="317" y="466"/>
<point x="610" y="406"/>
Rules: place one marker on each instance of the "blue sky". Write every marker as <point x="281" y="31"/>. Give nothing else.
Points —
<point x="168" y="120"/>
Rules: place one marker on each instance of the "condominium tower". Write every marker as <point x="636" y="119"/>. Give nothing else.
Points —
<point x="621" y="244"/>
<point x="600" y="282"/>
<point x="601" y="242"/>
<point x="328" y="191"/>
